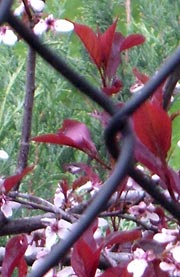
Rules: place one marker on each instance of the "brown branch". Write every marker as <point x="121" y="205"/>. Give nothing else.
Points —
<point x="23" y="225"/>
<point x="41" y="204"/>
<point x="170" y="86"/>
<point x="28" y="108"/>
<point x="130" y="218"/>
<point x="103" y="263"/>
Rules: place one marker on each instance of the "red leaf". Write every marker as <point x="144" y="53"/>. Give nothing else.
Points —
<point x="157" y="97"/>
<point x="153" y="127"/>
<point x="90" y="41"/>
<point x="74" y="134"/>
<point x="140" y="77"/>
<point x="115" y="88"/>
<point x="106" y="40"/>
<point x="103" y="48"/>
<point x="147" y="158"/>
<point x="22" y="268"/>
<point x="131" y="41"/>
<point x="114" y="57"/>
<point x="168" y="177"/>
<point x="79" y="182"/>
<point x="84" y="260"/>
<point x="85" y="255"/>
<point x="14" y="256"/>
<point x="11" y="181"/>
<point x="121" y="237"/>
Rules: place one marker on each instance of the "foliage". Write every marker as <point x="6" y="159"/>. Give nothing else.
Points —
<point x="71" y="164"/>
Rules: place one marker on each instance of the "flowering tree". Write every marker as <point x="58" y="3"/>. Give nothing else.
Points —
<point x="151" y="245"/>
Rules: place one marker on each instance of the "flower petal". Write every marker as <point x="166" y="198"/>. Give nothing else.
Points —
<point x="63" y="26"/>
<point x="137" y="267"/>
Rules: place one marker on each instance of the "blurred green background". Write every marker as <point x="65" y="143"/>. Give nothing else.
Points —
<point x="55" y="99"/>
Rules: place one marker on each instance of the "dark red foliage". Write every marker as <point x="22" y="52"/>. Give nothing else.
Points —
<point x="14" y="256"/>
<point x="74" y="134"/>
<point x="131" y="41"/>
<point x="98" y="45"/>
<point x="11" y="181"/>
<point x="120" y="237"/>
<point x="105" y="49"/>
<point x="85" y="254"/>
<point x="153" y="128"/>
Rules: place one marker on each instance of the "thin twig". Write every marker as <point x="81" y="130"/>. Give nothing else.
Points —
<point x="27" y="116"/>
<point x="130" y="218"/>
<point x="41" y="204"/>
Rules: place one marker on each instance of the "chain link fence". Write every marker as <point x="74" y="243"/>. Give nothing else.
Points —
<point x="119" y="123"/>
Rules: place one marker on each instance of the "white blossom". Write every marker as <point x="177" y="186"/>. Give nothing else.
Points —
<point x="170" y="268"/>
<point x="3" y="155"/>
<point x="59" y="197"/>
<point x="40" y="27"/>
<point x="140" y="262"/>
<point x="176" y="253"/>
<point x="8" y="206"/>
<point x="166" y="235"/>
<point x="37" y="5"/>
<point x="56" y="229"/>
<point x="56" y="25"/>
<point x="7" y="36"/>
<point x="19" y="10"/>
<point x="137" y="267"/>
<point x="63" y="26"/>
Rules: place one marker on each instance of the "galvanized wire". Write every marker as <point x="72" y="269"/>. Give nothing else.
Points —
<point x="118" y="123"/>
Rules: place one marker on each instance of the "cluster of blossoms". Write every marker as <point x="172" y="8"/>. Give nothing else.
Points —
<point x="8" y="37"/>
<point x="171" y="257"/>
<point x="168" y="260"/>
<point x="42" y="241"/>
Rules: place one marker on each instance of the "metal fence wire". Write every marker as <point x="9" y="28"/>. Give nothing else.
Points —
<point x="119" y="123"/>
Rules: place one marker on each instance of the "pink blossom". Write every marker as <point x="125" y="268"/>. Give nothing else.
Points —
<point x="140" y="262"/>
<point x="59" y="197"/>
<point x="63" y="26"/>
<point x="40" y="27"/>
<point x="137" y="267"/>
<point x="136" y="87"/>
<point x="19" y="10"/>
<point x="36" y="5"/>
<point x="56" y="25"/>
<point x="7" y="206"/>
<point x="171" y="268"/>
<point x="56" y="229"/>
<point x="176" y="253"/>
<point x="7" y="36"/>
<point x="166" y="235"/>
<point x="144" y="211"/>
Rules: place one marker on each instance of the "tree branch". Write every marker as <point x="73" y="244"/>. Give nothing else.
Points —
<point x="28" y="108"/>
<point x="23" y="225"/>
<point x="170" y="86"/>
